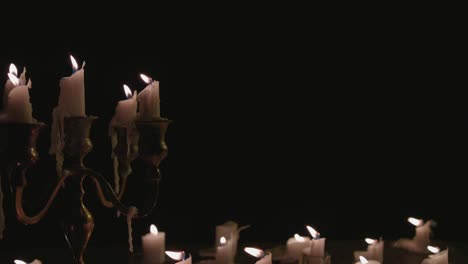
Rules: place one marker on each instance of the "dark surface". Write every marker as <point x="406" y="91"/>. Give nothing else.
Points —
<point x="338" y="122"/>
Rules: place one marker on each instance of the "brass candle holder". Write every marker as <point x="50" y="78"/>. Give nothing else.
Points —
<point x="18" y="153"/>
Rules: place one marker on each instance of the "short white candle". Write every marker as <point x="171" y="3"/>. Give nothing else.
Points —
<point x="258" y="253"/>
<point x="438" y="258"/>
<point x="363" y="260"/>
<point x="374" y="250"/>
<point x="295" y="245"/>
<point x="421" y="239"/>
<point x="9" y="85"/>
<point x="317" y="244"/>
<point x="154" y="246"/>
<point x="126" y="110"/>
<point x="149" y="100"/>
<point x="224" y="252"/>
<point x="179" y="257"/>
<point x="18" y="107"/>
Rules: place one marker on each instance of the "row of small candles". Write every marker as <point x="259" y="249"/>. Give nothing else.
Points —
<point x="297" y="247"/>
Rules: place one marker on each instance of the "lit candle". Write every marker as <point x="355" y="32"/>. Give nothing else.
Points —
<point x="179" y="257"/>
<point x="71" y="104"/>
<point x="149" y="100"/>
<point x="374" y="250"/>
<point x="224" y="252"/>
<point x="9" y="85"/>
<point x="154" y="246"/>
<point x="18" y="108"/>
<point x="259" y="254"/>
<point x="125" y="114"/>
<point x="231" y="231"/>
<point x="363" y="260"/>
<point x="421" y="239"/>
<point x="317" y="244"/>
<point x="437" y="257"/>
<point x="295" y="245"/>
<point x="22" y="262"/>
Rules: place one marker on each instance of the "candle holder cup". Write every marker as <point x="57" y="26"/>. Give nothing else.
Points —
<point x="18" y="153"/>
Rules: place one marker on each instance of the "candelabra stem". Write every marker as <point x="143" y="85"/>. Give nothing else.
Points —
<point x="78" y="221"/>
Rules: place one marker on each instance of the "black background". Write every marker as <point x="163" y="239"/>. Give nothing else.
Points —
<point x="278" y="122"/>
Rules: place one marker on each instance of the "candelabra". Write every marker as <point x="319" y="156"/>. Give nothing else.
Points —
<point x="18" y="153"/>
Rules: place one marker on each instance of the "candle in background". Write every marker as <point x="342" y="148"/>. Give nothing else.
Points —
<point x="317" y="244"/>
<point x="260" y="254"/>
<point x="149" y="100"/>
<point x="363" y="260"/>
<point x="295" y="245"/>
<point x="22" y="262"/>
<point x="17" y="108"/>
<point x="231" y="231"/>
<point x="224" y="252"/>
<point x="154" y="246"/>
<point x="125" y="114"/>
<point x="71" y="104"/>
<point x="374" y="250"/>
<point x="421" y="239"/>
<point x="9" y="85"/>
<point x="437" y="257"/>
<point x="179" y="257"/>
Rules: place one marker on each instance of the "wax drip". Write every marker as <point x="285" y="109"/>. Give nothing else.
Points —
<point x="132" y="212"/>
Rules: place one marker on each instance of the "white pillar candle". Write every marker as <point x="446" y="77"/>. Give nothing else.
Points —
<point x="149" y="100"/>
<point x="374" y="250"/>
<point x="224" y="252"/>
<point x="231" y="231"/>
<point x="363" y="260"/>
<point x="421" y="239"/>
<point x="438" y="258"/>
<point x="126" y="110"/>
<point x="71" y="104"/>
<point x="154" y="246"/>
<point x="264" y="258"/>
<point x="18" y="107"/>
<point x="295" y="245"/>
<point x="179" y="257"/>
<point x="317" y="244"/>
<point x="9" y="85"/>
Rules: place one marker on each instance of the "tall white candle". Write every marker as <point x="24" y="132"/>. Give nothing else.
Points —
<point x="264" y="258"/>
<point x="421" y="239"/>
<point x="437" y="258"/>
<point x="295" y="245"/>
<point x="154" y="246"/>
<point x="149" y="100"/>
<point x="374" y="250"/>
<point x="179" y="257"/>
<point x="71" y="104"/>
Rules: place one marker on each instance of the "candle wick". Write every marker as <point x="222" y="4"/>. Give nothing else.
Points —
<point x="317" y="236"/>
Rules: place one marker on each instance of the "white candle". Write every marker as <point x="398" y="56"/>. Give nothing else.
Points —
<point x="374" y="250"/>
<point x="317" y="244"/>
<point x="149" y="100"/>
<point x="9" y="85"/>
<point x="231" y="231"/>
<point x="421" y="239"/>
<point x="71" y="104"/>
<point x="295" y="245"/>
<point x="126" y="110"/>
<point x="179" y="257"/>
<point x="154" y="246"/>
<point x="224" y="252"/>
<point x="18" y="108"/>
<point x="363" y="260"/>
<point x="36" y="261"/>
<point x="260" y="254"/>
<point x="438" y="258"/>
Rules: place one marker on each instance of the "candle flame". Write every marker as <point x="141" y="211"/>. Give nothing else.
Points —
<point x="223" y="241"/>
<point x="13" y="79"/>
<point x="74" y="63"/>
<point x="128" y="92"/>
<point x="415" y="221"/>
<point x="370" y="241"/>
<point x="13" y="69"/>
<point x="254" y="252"/>
<point x="17" y="261"/>
<point x="363" y="260"/>
<point x="153" y="230"/>
<point x="299" y="238"/>
<point x="434" y="250"/>
<point x="145" y="78"/>
<point x="312" y="231"/>
<point x="175" y="255"/>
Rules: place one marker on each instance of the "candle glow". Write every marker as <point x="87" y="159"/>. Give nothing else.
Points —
<point x="363" y="260"/>
<point x="13" y="79"/>
<point x="145" y="78"/>
<point x="313" y="232"/>
<point x="175" y="255"/>
<point x="13" y="69"/>
<point x="415" y="221"/>
<point x="370" y="241"/>
<point x="223" y="241"/>
<point x="434" y="250"/>
<point x="19" y="262"/>
<point x="153" y="230"/>
<point x="74" y="63"/>
<point x="127" y="90"/>
<point x="299" y="238"/>
<point x="258" y="253"/>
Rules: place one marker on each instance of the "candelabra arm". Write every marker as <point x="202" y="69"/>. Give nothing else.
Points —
<point x="108" y="197"/>
<point x="21" y="214"/>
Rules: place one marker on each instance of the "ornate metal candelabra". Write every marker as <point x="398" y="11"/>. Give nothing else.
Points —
<point x="18" y="153"/>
